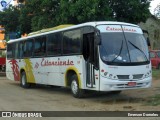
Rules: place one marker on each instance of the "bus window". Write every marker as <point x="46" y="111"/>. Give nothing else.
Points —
<point x="40" y="46"/>
<point x="21" y="53"/>
<point x="54" y="44"/>
<point x="28" y="48"/>
<point x="16" y="54"/>
<point x="25" y="49"/>
<point x="9" y="51"/>
<point x="72" y="42"/>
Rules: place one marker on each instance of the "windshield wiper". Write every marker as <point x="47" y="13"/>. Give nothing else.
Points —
<point x="138" y="49"/>
<point x="119" y="52"/>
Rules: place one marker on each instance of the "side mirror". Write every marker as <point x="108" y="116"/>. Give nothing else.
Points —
<point x="146" y="35"/>
<point x="148" y="42"/>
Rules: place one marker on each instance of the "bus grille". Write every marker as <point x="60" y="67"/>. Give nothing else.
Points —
<point x="138" y="76"/>
<point x="126" y="77"/>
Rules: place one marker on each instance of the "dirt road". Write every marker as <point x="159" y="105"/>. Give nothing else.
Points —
<point x="44" y="98"/>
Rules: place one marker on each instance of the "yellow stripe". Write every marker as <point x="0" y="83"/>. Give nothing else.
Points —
<point x="77" y="73"/>
<point x="29" y="71"/>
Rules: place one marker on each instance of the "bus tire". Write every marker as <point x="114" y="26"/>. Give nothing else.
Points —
<point x="76" y="91"/>
<point x="23" y="81"/>
<point x="116" y="92"/>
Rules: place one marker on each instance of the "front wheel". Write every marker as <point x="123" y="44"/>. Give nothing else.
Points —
<point x="23" y="81"/>
<point x="76" y="91"/>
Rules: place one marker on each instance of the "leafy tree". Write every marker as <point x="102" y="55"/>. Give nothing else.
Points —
<point x="39" y="13"/>
<point x="9" y="19"/>
<point x="78" y="11"/>
<point x="25" y="20"/>
<point x="133" y="11"/>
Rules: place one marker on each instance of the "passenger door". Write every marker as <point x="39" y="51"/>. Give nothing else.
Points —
<point x="90" y="53"/>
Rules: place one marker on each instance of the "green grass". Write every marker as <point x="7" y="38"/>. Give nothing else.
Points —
<point x="153" y="101"/>
<point x="156" y="74"/>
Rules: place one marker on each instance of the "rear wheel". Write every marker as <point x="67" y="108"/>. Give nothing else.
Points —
<point x="76" y="91"/>
<point x="116" y="92"/>
<point x="23" y="81"/>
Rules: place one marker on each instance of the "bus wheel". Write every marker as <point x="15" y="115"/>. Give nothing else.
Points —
<point x="76" y="91"/>
<point x="23" y="81"/>
<point x="116" y="92"/>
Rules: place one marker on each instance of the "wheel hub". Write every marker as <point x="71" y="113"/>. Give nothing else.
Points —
<point x="74" y="87"/>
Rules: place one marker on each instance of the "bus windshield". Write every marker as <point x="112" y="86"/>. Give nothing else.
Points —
<point x="124" y="48"/>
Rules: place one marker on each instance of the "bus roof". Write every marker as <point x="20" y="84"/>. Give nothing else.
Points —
<point x="59" y="29"/>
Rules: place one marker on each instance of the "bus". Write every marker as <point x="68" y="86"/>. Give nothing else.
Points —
<point x="99" y="56"/>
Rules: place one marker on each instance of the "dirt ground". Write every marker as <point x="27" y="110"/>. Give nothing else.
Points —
<point x="44" y="98"/>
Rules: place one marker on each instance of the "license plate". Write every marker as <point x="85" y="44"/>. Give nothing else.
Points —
<point x="132" y="84"/>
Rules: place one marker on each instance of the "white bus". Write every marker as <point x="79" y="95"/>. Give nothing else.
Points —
<point x="100" y="56"/>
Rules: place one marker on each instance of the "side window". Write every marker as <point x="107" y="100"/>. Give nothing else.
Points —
<point x="16" y="50"/>
<point x="21" y="52"/>
<point x="152" y="55"/>
<point x="9" y="51"/>
<point x="12" y="50"/>
<point x="72" y="42"/>
<point x="40" y="46"/>
<point x="25" y="49"/>
<point x="54" y="44"/>
<point x="28" y="48"/>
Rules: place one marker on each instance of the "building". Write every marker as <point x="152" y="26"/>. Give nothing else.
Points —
<point x="2" y="37"/>
<point x="18" y="3"/>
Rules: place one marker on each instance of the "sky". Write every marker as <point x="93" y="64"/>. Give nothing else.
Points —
<point x="153" y="5"/>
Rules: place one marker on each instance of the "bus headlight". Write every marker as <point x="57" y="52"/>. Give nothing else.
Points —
<point x="148" y="74"/>
<point x="111" y="76"/>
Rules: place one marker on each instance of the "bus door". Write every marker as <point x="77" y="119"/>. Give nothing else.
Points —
<point x="91" y="60"/>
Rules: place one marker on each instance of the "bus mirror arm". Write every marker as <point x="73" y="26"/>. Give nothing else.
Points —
<point x="97" y="37"/>
<point x="148" y="42"/>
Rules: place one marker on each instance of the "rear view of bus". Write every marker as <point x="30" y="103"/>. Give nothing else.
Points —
<point x="124" y="58"/>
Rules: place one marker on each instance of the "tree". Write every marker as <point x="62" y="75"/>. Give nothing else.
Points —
<point x="9" y="19"/>
<point x="133" y="11"/>
<point x="25" y="20"/>
<point x="79" y="11"/>
<point x="38" y="14"/>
